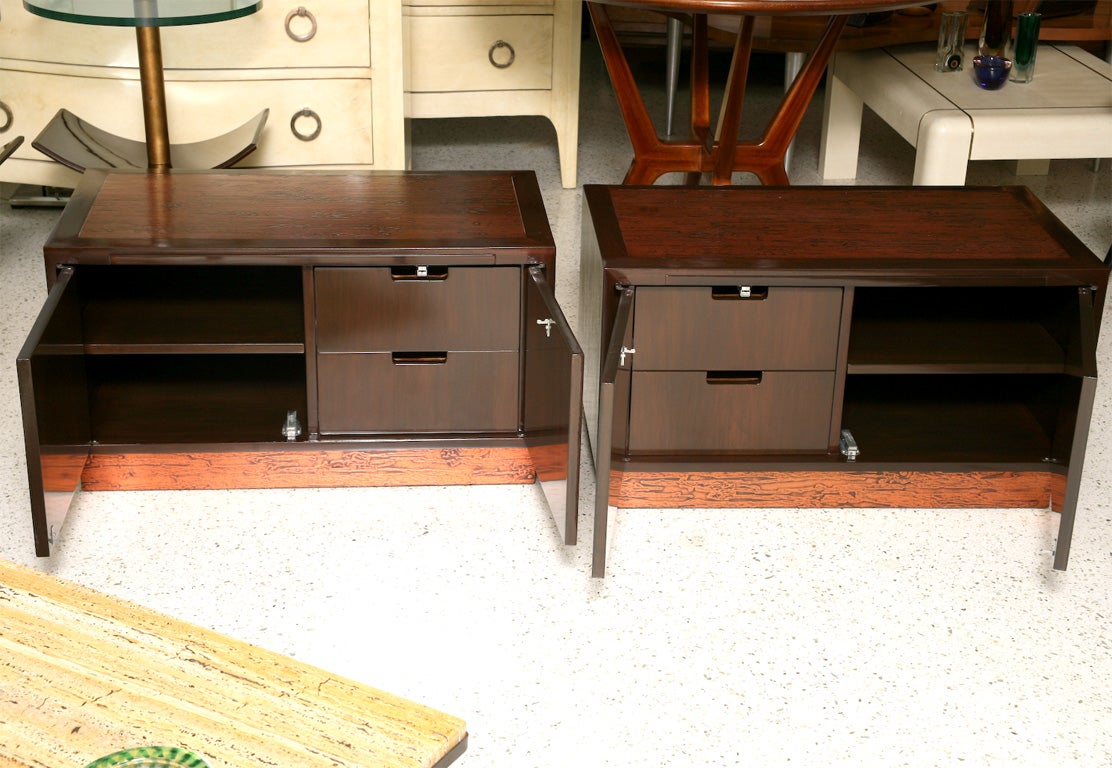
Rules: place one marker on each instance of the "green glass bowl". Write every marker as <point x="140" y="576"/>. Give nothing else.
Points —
<point x="150" y="757"/>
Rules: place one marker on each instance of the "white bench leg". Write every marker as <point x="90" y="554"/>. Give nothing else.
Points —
<point x="841" y="130"/>
<point x="942" y="148"/>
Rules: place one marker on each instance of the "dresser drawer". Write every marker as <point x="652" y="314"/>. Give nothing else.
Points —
<point x="341" y="109"/>
<point x="478" y="53"/>
<point x="258" y="41"/>
<point x="708" y="328"/>
<point x="373" y="309"/>
<point x="381" y="392"/>
<point x="730" y="411"/>
<point x="199" y="110"/>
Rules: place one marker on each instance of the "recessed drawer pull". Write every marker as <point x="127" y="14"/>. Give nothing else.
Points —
<point x="419" y="272"/>
<point x="734" y="377"/>
<point x="419" y="358"/>
<point x="739" y="292"/>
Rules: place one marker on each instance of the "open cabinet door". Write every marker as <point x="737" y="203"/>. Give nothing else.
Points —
<point x="1082" y="357"/>
<point x="613" y="419"/>
<point x="553" y="412"/>
<point x="55" y="401"/>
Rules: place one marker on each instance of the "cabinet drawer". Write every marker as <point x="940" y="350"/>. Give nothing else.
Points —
<point x="730" y="411"/>
<point x="384" y="309"/>
<point x="258" y="41"/>
<point x="473" y="53"/>
<point x="708" y="328"/>
<point x="386" y="393"/>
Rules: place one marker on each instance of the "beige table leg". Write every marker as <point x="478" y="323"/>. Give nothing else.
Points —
<point x="942" y="149"/>
<point x="841" y="129"/>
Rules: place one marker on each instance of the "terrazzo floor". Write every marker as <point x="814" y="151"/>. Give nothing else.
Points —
<point x="776" y="637"/>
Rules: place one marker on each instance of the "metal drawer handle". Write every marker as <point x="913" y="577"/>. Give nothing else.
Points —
<point x="419" y="272"/>
<point x="310" y="115"/>
<point x="739" y="292"/>
<point x="8" y="117"/>
<point x="497" y="45"/>
<point x="305" y="14"/>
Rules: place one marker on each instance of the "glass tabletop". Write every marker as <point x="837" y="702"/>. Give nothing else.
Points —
<point x="142" y="13"/>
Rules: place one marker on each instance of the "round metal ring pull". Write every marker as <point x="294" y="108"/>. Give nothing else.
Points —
<point x="8" y="117"/>
<point x="305" y="14"/>
<point x="308" y="114"/>
<point x="499" y="44"/>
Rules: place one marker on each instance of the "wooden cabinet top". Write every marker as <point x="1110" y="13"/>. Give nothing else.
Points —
<point x="303" y="217"/>
<point x="839" y="235"/>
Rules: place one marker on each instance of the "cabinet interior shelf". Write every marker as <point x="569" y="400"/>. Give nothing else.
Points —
<point x="969" y="419"/>
<point x="191" y="310"/>
<point x="149" y="399"/>
<point x="952" y="346"/>
<point x="964" y="330"/>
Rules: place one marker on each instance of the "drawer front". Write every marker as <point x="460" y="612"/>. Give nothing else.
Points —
<point x="341" y="110"/>
<point x="709" y="328"/>
<point x="199" y="110"/>
<point x="384" y="309"/>
<point x="693" y="411"/>
<point x="377" y="393"/>
<point x="258" y="41"/>
<point x="473" y="53"/>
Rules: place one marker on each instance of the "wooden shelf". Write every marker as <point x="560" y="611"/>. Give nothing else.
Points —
<point x="192" y="310"/>
<point x="965" y="330"/>
<point x="957" y="419"/>
<point x="946" y="345"/>
<point x="194" y="399"/>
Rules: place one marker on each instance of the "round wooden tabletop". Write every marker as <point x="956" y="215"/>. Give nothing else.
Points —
<point x="768" y="7"/>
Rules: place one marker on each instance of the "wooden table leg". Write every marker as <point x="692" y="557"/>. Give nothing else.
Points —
<point x="652" y="157"/>
<point x="765" y="158"/>
<point x="723" y="155"/>
<point x="729" y="121"/>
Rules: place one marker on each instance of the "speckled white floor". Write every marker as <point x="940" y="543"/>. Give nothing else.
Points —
<point x="719" y="638"/>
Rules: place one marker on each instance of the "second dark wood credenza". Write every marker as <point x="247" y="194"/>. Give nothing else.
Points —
<point x="247" y="329"/>
<point x="836" y="347"/>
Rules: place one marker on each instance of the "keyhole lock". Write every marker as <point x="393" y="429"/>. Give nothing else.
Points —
<point x="622" y="355"/>
<point x="548" y="322"/>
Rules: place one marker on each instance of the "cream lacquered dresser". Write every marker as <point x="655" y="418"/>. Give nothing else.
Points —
<point x="472" y="58"/>
<point x="331" y="72"/>
<point x="336" y="66"/>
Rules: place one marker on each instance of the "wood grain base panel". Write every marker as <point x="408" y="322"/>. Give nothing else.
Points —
<point x="306" y="469"/>
<point x="932" y="490"/>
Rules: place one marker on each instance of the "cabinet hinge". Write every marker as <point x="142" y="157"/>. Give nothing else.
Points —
<point x="292" y="428"/>
<point x="848" y="446"/>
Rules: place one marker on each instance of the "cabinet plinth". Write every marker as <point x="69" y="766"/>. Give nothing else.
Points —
<point x="299" y="329"/>
<point x="814" y="347"/>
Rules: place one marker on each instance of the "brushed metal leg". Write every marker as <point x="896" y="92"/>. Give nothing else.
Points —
<point x="672" y="70"/>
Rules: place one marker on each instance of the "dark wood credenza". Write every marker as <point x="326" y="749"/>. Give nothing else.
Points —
<point x="239" y="329"/>
<point x="836" y="347"/>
